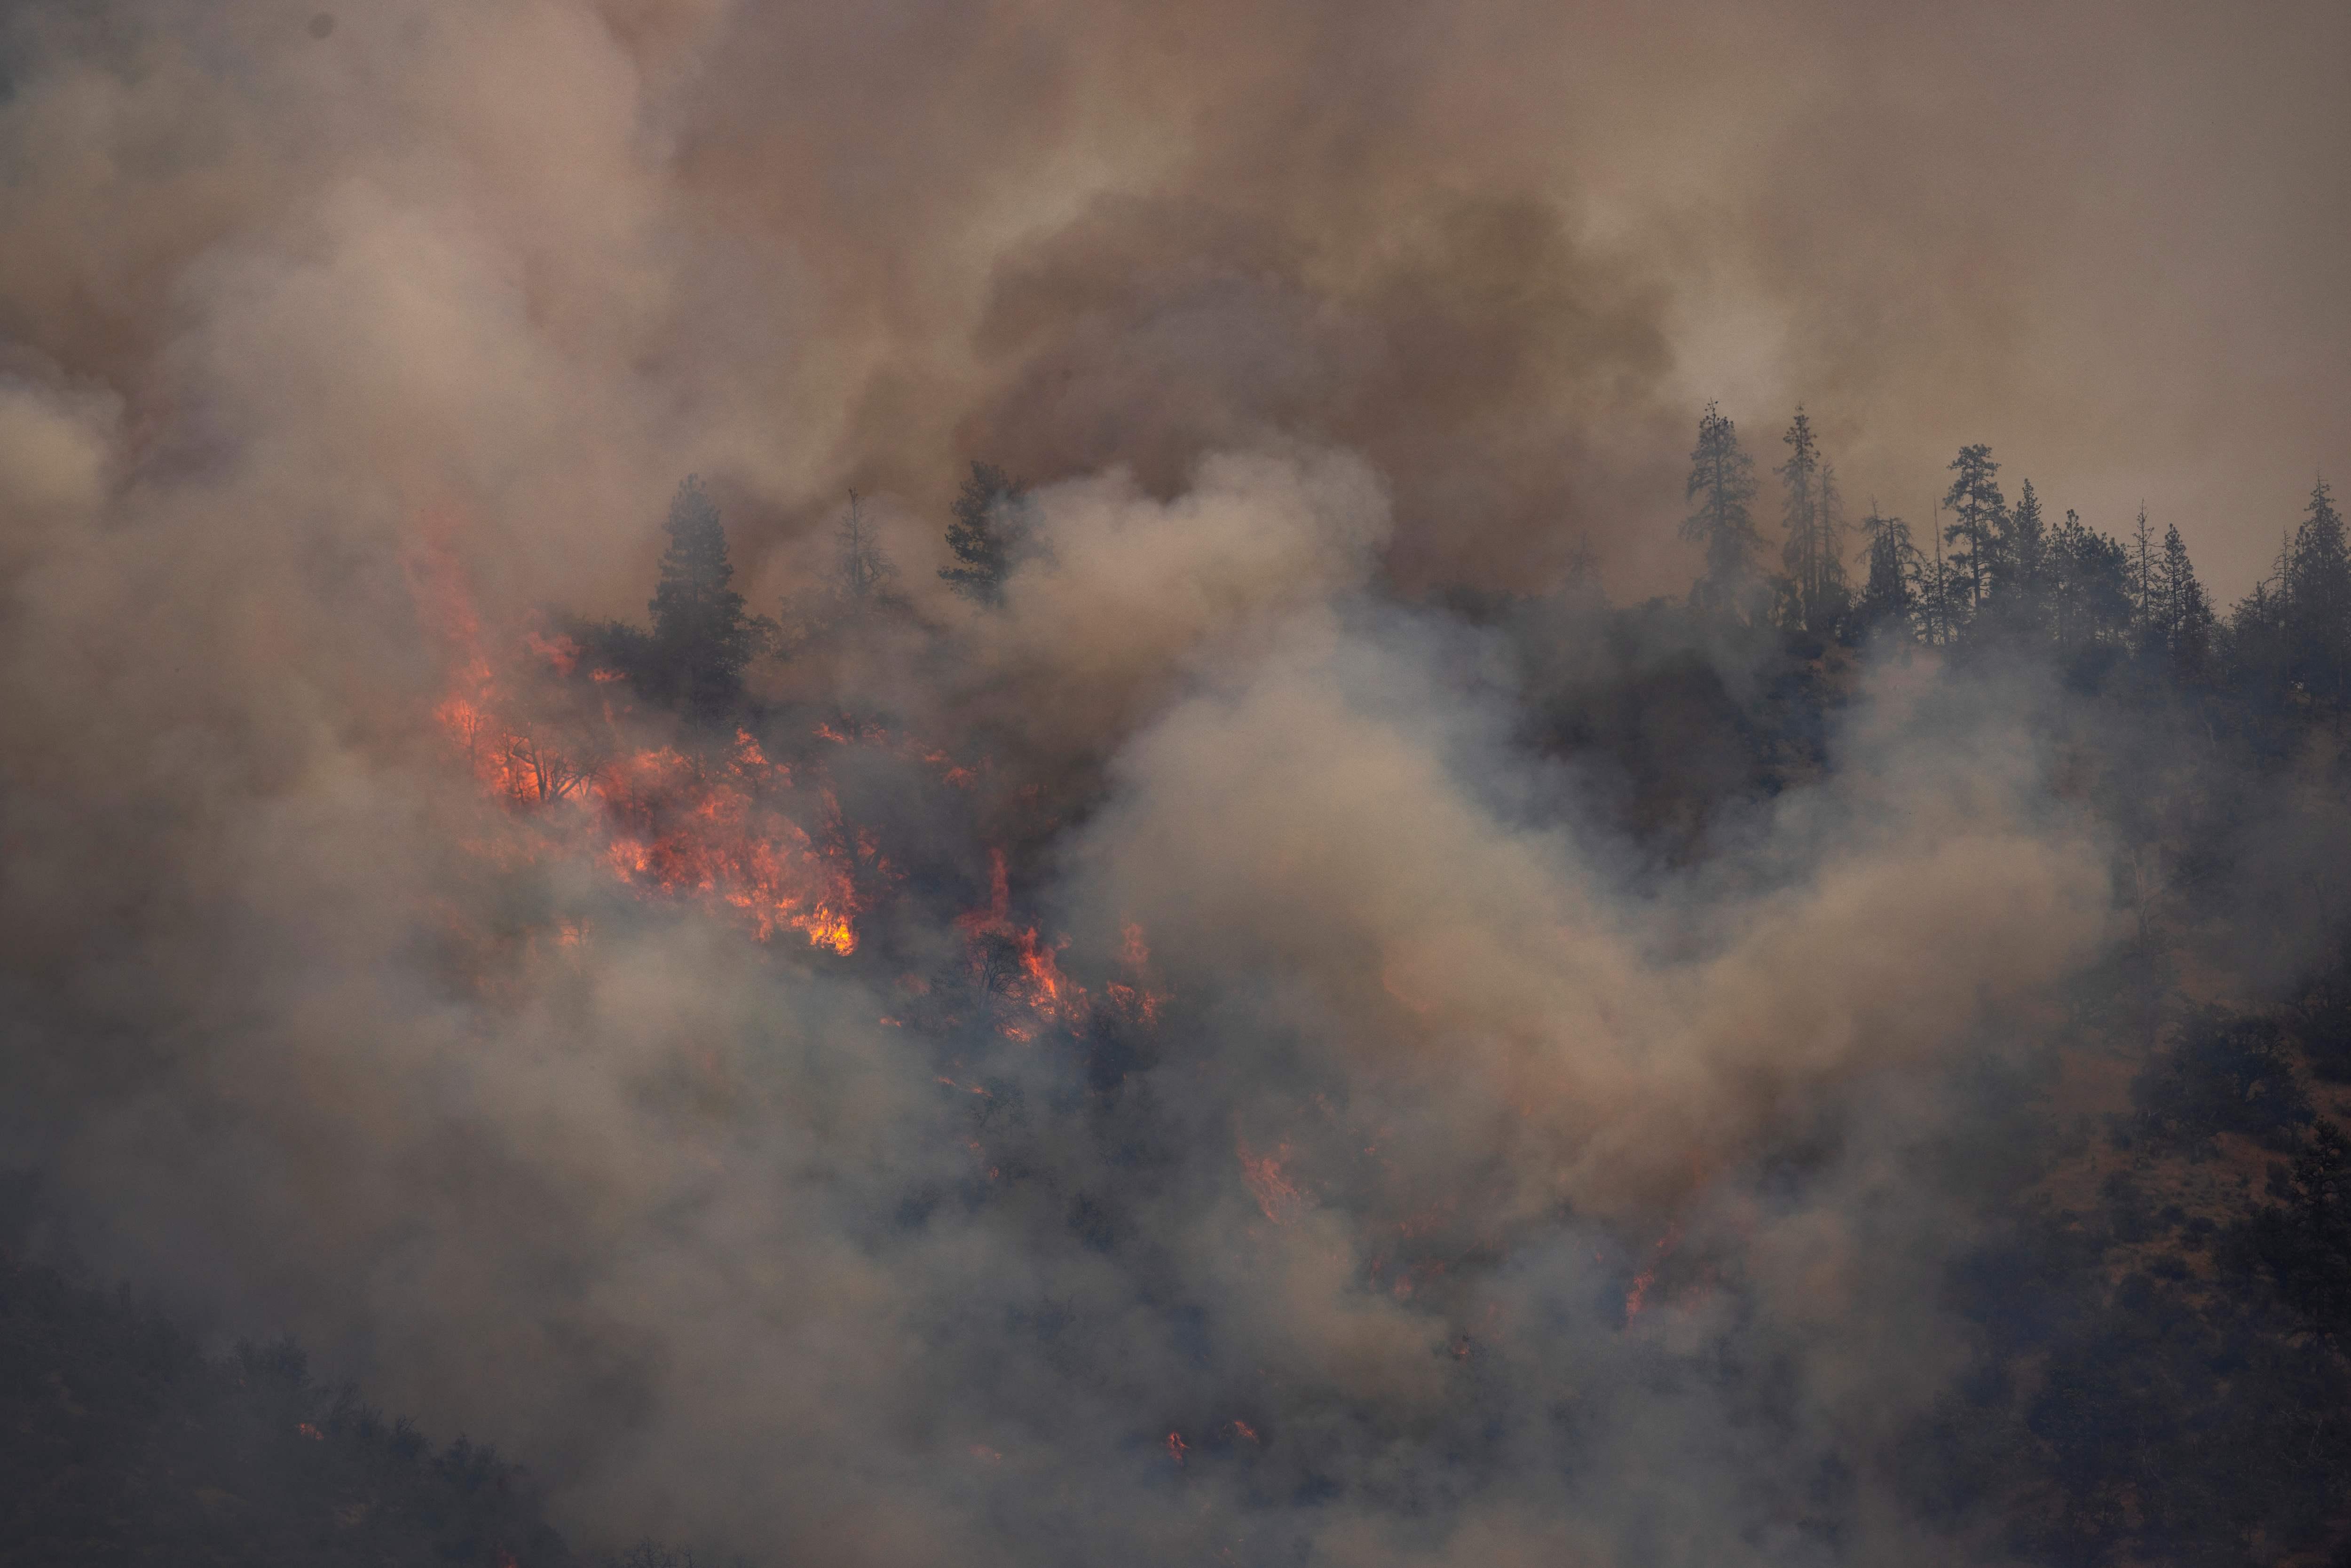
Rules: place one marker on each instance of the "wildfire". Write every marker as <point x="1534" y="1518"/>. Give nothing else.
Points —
<point x="1279" y="1196"/>
<point x="1012" y="961"/>
<point x="725" y="830"/>
<point x="679" y="826"/>
<point x="1637" y="1297"/>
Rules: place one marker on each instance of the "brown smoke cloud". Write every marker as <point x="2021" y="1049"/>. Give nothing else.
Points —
<point x="1505" y="250"/>
<point x="1502" y="250"/>
<point x="1281" y="306"/>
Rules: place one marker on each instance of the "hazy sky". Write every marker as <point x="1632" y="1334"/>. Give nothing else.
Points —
<point x="1505" y="251"/>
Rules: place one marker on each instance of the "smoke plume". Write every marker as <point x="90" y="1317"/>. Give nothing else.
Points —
<point x="1438" y="1167"/>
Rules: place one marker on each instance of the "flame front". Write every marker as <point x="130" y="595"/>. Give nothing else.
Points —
<point x="703" y="828"/>
<point x="1012" y="961"/>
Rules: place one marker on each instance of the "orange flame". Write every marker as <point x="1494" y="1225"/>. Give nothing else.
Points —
<point x="1279" y="1196"/>
<point x="1637" y="1297"/>
<point x="665" y="823"/>
<point x="1033" y="978"/>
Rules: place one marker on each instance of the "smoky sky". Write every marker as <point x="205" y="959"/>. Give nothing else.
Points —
<point x="1503" y="251"/>
<point x="1281" y="308"/>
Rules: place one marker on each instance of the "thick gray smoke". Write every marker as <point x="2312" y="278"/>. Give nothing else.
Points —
<point x="1433" y="1201"/>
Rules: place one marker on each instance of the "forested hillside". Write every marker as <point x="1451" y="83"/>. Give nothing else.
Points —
<point x="2139" y="1254"/>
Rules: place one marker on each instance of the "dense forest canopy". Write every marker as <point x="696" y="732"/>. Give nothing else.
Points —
<point x="1294" y="784"/>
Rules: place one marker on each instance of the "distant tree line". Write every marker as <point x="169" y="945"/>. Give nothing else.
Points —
<point x="1997" y="570"/>
<point x="1991" y="571"/>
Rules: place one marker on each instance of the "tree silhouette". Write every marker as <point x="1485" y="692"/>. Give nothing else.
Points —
<point x="1813" y="555"/>
<point x="2087" y="580"/>
<point x="984" y="532"/>
<point x="1889" y="601"/>
<point x="2019" y="567"/>
<point x="1722" y="482"/>
<point x="861" y="573"/>
<point x="2181" y="623"/>
<point x="1979" y="515"/>
<point x="701" y="638"/>
<point x="2141" y="580"/>
<point x="2317" y="590"/>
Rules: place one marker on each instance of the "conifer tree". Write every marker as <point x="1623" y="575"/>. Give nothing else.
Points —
<point x="1813" y="554"/>
<point x="1722" y="484"/>
<point x="701" y="637"/>
<point x="1979" y="517"/>
<point x="2027" y="538"/>
<point x="1889" y="601"/>
<point x="2143" y="550"/>
<point x="983" y="534"/>
<point x="2086" y="577"/>
<point x="2183" y="619"/>
<point x="2258" y="649"/>
<point x="1937" y="590"/>
<point x="2021" y="589"/>
<point x="2317" y="593"/>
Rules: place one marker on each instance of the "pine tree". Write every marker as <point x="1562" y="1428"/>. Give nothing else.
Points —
<point x="1890" y="597"/>
<point x="2183" y="619"/>
<point x="1813" y="554"/>
<point x="1978" y="516"/>
<point x="701" y="638"/>
<point x="2020" y="586"/>
<point x="2086" y="575"/>
<point x="1833" y="588"/>
<point x="1937" y="593"/>
<point x="2316" y="588"/>
<point x="1722" y="482"/>
<point x="2142" y="549"/>
<point x="985" y="531"/>
<point x="2258" y="649"/>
